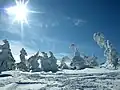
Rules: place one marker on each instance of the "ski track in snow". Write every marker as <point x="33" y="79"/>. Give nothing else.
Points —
<point x="88" y="79"/>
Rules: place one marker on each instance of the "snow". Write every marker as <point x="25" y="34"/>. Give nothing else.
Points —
<point x="90" y="70"/>
<point x="87" y="79"/>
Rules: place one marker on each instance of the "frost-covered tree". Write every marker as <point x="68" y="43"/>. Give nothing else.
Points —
<point x="23" y="53"/>
<point x="77" y="61"/>
<point x="110" y="52"/>
<point x="45" y="63"/>
<point x="53" y="62"/>
<point x="7" y="62"/>
<point x="91" y="61"/>
<point x="23" y="63"/>
<point x="63" y="64"/>
<point x="33" y="62"/>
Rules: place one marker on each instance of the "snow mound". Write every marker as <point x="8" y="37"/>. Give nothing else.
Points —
<point x="87" y="79"/>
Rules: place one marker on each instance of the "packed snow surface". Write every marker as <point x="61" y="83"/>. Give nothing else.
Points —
<point x="87" y="79"/>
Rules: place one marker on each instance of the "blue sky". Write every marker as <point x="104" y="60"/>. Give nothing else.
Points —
<point x="64" y="22"/>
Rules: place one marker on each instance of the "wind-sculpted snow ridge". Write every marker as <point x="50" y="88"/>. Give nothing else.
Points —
<point x="5" y="75"/>
<point x="87" y="79"/>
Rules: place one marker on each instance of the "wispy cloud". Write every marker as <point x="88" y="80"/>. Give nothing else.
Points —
<point x="77" y="21"/>
<point x="43" y="25"/>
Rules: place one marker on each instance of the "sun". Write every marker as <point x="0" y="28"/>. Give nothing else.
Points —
<point x="19" y="11"/>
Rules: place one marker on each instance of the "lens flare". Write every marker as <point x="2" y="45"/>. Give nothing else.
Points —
<point x="19" y="11"/>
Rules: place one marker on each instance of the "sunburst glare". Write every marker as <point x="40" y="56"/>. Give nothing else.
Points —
<point x="20" y="12"/>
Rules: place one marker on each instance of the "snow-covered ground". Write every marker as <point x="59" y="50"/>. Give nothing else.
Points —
<point x="87" y="79"/>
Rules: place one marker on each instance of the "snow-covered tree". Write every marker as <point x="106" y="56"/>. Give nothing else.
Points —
<point x="91" y="61"/>
<point x="45" y="63"/>
<point x="77" y="61"/>
<point x="110" y="52"/>
<point x="53" y="62"/>
<point x="63" y="64"/>
<point x="7" y="62"/>
<point x="23" y="63"/>
<point x="33" y="62"/>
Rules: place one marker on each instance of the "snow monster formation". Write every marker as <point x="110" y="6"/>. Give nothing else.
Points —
<point x="7" y="62"/>
<point x="110" y="52"/>
<point x="77" y="61"/>
<point x="45" y="63"/>
<point x="33" y="63"/>
<point x="22" y="66"/>
<point x="63" y="64"/>
<point x="81" y="61"/>
<point x="91" y="61"/>
<point x="53" y="62"/>
<point x="48" y="63"/>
